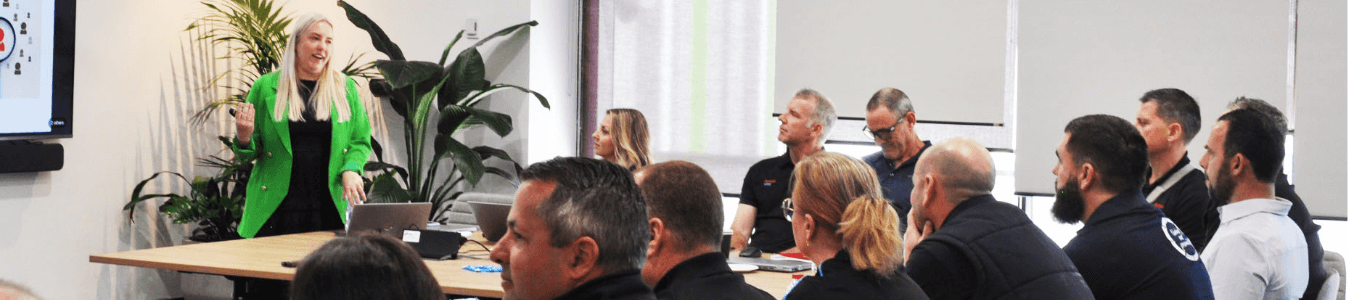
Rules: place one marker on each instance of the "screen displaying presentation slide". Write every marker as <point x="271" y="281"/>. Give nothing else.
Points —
<point x="26" y="66"/>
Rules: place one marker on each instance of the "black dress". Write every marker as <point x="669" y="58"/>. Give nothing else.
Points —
<point x="308" y="206"/>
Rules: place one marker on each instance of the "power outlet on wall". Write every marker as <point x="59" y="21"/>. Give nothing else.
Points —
<point x="472" y="28"/>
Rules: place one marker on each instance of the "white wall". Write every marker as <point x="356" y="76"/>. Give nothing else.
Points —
<point x="130" y="104"/>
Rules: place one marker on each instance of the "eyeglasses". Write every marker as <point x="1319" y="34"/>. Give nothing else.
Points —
<point x="885" y="133"/>
<point x="788" y="209"/>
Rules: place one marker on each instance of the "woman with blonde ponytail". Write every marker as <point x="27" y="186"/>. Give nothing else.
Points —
<point x="309" y="140"/>
<point x="842" y="223"/>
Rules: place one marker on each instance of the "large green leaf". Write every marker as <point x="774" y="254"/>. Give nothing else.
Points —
<point x="465" y="75"/>
<point x="402" y="74"/>
<point x="473" y="99"/>
<point x="388" y="190"/>
<point x="466" y="160"/>
<point x="380" y="40"/>
<point x="447" y="52"/>
<point x="485" y="152"/>
<point x="454" y="118"/>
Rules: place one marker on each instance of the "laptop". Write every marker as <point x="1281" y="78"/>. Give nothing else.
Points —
<point x="492" y="218"/>
<point x="387" y="218"/>
<point x="773" y="264"/>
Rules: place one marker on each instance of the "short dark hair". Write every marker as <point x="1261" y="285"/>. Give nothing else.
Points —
<point x="370" y="266"/>
<point x="1114" y="146"/>
<point x="1254" y="134"/>
<point x="1261" y="106"/>
<point x="597" y="199"/>
<point x="685" y="197"/>
<point x="1174" y="105"/>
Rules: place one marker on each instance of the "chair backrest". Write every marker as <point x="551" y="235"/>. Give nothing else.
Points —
<point x="1330" y="287"/>
<point x="458" y="211"/>
<point x="1337" y="267"/>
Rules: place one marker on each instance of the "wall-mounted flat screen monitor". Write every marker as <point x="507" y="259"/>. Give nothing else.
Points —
<point x="37" y="46"/>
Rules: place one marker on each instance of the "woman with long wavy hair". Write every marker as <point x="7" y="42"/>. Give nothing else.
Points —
<point x="310" y="139"/>
<point x="623" y="138"/>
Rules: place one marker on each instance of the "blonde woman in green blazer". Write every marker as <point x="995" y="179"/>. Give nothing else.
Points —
<point x="310" y="140"/>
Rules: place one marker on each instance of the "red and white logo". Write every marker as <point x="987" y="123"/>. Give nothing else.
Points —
<point x="7" y="39"/>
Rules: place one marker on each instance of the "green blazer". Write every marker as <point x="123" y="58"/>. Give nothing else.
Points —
<point x="270" y="148"/>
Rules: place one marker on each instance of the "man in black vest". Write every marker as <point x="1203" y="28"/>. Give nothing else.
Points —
<point x="1127" y="249"/>
<point x="577" y="230"/>
<point x="1168" y="119"/>
<point x="684" y="258"/>
<point x="966" y="245"/>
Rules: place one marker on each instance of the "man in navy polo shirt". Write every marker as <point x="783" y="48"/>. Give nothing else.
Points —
<point x="891" y="123"/>
<point x="804" y="128"/>
<point x="1127" y="249"/>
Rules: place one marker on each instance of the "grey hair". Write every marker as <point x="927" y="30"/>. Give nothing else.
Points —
<point x="824" y="112"/>
<point x="597" y="199"/>
<point x="1263" y="107"/>
<point x="893" y="99"/>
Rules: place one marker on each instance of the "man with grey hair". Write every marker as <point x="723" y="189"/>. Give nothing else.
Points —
<point x="577" y="230"/>
<point x="1168" y="119"/>
<point x="891" y="124"/>
<point x="805" y="125"/>
<point x="1284" y="190"/>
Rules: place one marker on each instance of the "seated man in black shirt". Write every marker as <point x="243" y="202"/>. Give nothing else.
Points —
<point x="577" y="230"/>
<point x="805" y="125"/>
<point x="966" y="245"/>
<point x="684" y="258"/>
<point x="1168" y="119"/>
<point x="1127" y="249"/>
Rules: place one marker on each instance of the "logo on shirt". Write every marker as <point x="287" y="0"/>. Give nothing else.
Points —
<point x="1179" y="240"/>
<point x="770" y="182"/>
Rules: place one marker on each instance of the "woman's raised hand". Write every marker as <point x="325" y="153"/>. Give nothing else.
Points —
<point x="246" y="123"/>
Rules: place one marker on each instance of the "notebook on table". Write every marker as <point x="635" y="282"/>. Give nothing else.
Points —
<point x="387" y="218"/>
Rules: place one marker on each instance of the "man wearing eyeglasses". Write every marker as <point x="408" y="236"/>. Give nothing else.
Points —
<point x="891" y="124"/>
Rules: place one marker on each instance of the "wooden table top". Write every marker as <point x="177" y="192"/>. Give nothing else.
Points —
<point x="261" y="258"/>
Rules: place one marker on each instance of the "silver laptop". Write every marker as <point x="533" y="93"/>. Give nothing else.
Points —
<point x="492" y="218"/>
<point x="388" y="218"/>
<point x="772" y="264"/>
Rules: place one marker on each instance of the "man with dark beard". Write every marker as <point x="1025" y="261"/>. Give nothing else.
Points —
<point x="1258" y="252"/>
<point x="1100" y="170"/>
<point x="963" y="244"/>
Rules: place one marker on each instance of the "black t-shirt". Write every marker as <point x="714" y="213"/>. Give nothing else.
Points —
<point x="1129" y="250"/>
<point x="764" y="188"/>
<point x="626" y="285"/>
<point x="1187" y="203"/>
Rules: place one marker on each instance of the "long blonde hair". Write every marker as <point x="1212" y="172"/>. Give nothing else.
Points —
<point x="631" y="135"/>
<point x="842" y="194"/>
<point x="331" y="89"/>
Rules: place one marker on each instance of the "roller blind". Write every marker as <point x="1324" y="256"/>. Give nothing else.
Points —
<point x="1088" y="57"/>
<point x="948" y="56"/>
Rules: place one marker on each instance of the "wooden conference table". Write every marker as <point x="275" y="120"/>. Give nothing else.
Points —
<point x="261" y="258"/>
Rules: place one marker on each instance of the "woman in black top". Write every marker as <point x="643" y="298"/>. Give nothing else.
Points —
<point x="842" y="223"/>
